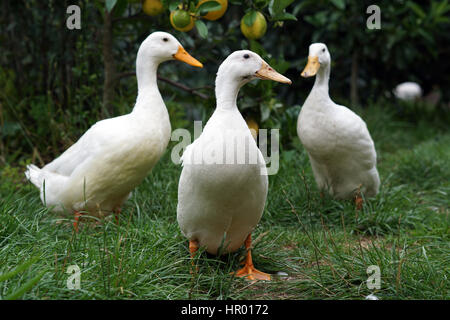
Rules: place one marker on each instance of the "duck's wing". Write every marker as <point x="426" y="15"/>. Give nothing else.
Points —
<point x="92" y="142"/>
<point x="353" y="135"/>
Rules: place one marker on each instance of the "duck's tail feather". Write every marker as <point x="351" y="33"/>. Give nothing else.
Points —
<point x="34" y="174"/>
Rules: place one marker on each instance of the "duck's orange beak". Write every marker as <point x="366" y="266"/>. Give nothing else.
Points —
<point x="182" y="55"/>
<point x="268" y="73"/>
<point x="311" y="68"/>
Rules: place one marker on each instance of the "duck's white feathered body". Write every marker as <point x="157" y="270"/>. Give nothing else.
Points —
<point x="223" y="185"/>
<point x="220" y="204"/>
<point x="338" y="143"/>
<point x="340" y="149"/>
<point x="99" y="171"/>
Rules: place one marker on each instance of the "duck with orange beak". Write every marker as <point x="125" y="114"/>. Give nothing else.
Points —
<point x="97" y="174"/>
<point x="223" y="185"/>
<point x="340" y="148"/>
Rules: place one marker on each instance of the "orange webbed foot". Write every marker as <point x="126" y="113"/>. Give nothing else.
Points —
<point x="249" y="271"/>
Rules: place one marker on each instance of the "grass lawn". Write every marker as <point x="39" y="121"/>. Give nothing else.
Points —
<point x="323" y="245"/>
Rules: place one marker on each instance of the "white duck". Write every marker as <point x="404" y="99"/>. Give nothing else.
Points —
<point x="340" y="149"/>
<point x="98" y="172"/>
<point x="223" y="184"/>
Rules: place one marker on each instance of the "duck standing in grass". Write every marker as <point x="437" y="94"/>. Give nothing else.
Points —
<point x="339" y="146"/>
<point x="98" y="172"/>
<point x="223" y="184"/>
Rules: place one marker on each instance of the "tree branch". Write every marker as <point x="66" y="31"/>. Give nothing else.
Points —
<point x="171" y="82"/>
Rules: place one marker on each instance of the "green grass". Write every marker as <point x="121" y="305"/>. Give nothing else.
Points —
<point x="324" y="245"/>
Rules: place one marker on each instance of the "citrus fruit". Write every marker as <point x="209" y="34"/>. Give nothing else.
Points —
<point x="257" y="29"/>
<point x="181" y="20"/>
<point x="152" y="7"/>
<point x="253" y="126"/>
<point x="217" y="14"/>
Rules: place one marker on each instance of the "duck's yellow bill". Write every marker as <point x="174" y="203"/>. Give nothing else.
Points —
<point x="311" y="68"/>
<point x="268" y="73"/>
<point x="182" y="55"/>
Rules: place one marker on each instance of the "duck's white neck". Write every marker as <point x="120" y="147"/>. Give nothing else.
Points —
<point x="146" y="74"/>
<point x="227" y="89"/>
<point x="321" y="84"/>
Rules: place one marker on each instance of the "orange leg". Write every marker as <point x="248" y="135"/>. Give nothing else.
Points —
<point x="77" y="216"/>
<point x="358" y="199"/>
<point x="359" y="202"/>
<point x="193" y="247"/>
<point x="249" y="271"/>
<point x="117" y="213"/>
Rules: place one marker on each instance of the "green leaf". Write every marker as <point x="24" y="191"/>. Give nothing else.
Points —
<point x="277" y="10"/>
<point x="284" y="16"/>
<point x="299" y="7"/>
<point x="279" y="64"/>
<point x="201" y="28"/>
<point x="255" y="46"/>
<point x="120" y="7"/>
<point x="442" y="20"/>
<point x="250" y="18"/>
<point x="277" y="6"/>
<point x="173" y="6"/>
<point x="192" y="6"/>
<point x="426" y="35"/>
<point x="340" y="4"/>
<point x="417" y="10"/>
<point x="260" y="4"/>
<point x="208" y="6"/>
<point x="442" y="8"/>
<point x="170" y="3"/>
<point x="110" y="4"/>
<point x="265" y="111"/>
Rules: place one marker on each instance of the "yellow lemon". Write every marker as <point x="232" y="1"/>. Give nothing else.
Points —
<point x="214" y="15"/>
<point x="181" y="20"/>
<point x="257" y="30"/>
<point x="253" y="126"/>
<point x="152" y="7"/>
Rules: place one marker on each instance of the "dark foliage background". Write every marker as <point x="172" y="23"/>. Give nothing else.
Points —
<point x="56" y="82"/>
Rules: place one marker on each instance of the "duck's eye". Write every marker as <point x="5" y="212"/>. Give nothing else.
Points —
<point x="246" y="56"/>
<point x="323" y="50"/>
<point x="165" y="39"/>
